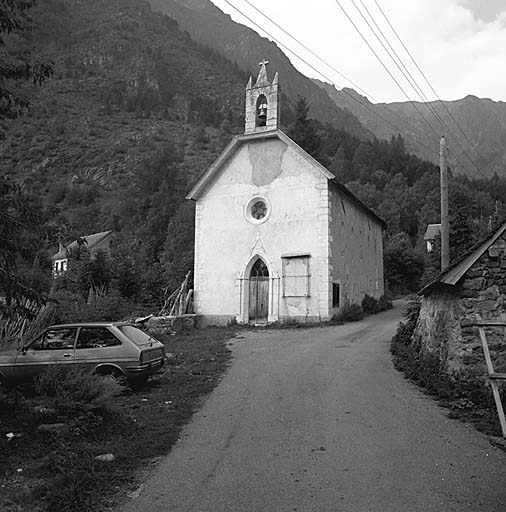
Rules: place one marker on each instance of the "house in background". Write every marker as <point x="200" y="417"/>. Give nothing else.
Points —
<point x="433" y="232"/>
<point x="277" y="237"/>
<point x="473" y="289"/>
<point x="94" y="243"/>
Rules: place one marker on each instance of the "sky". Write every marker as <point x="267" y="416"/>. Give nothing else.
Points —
<point x="460" y="45"/>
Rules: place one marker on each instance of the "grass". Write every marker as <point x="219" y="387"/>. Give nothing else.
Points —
<point x="42" y="471"/>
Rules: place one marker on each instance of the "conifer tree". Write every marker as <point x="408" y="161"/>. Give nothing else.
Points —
<point x="16" y="61"/>
<point x="302" y="130"/>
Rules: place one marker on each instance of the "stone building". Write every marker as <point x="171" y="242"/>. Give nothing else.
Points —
<point x="276" y="235"/>
<point x="471" y="290"/>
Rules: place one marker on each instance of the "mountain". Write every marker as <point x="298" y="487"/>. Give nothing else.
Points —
<point x="128" y="86"/>
<point x="209" y="26"/>
<point x="482" y="133"/>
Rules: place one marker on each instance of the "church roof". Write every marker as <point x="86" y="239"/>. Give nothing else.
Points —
<point x="208" y="176"/>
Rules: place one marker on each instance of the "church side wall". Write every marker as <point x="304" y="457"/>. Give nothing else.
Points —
<point x="226" y="242"/>
<point x="356" y="250"/>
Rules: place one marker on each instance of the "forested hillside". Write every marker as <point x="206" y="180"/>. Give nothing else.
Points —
<point x="404" y="190"/>
<point x="136" y="110"/>
<point x="208" y="25"/>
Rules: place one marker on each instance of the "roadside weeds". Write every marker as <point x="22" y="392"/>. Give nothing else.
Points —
<point x="57" y="470"/>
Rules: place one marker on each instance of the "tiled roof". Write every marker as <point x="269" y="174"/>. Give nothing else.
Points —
<point x="90" y="242"/>
<point x="456" y="271"/>
<point x="433" y="231"/>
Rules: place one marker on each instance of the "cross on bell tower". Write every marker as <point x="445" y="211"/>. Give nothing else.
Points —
<point x="262" y="102"/>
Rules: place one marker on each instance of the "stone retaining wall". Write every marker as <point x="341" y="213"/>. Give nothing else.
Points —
<point x="167" y="324"/>
<point x="446" y="316"/>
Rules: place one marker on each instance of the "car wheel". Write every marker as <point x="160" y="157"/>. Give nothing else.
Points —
<point x="112" y="373"/>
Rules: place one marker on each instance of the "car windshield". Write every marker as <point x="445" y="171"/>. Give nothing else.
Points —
<point x="136" y="335"/>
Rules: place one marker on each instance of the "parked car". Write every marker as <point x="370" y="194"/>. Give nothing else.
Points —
<point x="117" y="349"/>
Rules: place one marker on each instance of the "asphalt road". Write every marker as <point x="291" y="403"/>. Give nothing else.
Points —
<point x="319" y="420"/>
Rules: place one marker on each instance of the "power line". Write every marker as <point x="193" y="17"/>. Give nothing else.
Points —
<point x="410" y="126"/>
<point x="434" y="92"/>
<point x="411" y="80"/>
<point x="374" y="112"/>
<point x="397" y="60"/>
<point x="308" y="49"/>
<point x="431" y="150"/>
<point x="386" y="68"/>
<point x="315" y="55"/>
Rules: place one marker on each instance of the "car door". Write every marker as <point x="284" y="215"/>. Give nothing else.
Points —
<point x="97" y="345"/>
<point x="54" y="346"/>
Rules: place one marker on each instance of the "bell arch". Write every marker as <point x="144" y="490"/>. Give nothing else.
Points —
<point x="261" y="111"/>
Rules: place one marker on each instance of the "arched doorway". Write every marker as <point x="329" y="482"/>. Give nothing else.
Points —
<point x="259" y="292"/>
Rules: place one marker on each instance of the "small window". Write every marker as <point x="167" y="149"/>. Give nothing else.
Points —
<point x="257" y="210"/>
<point x="56" y="339"/>
<point x="96" y="337"/>
<point x="336" y="291"/>
<point x="296" y="276"/>
<point x="136" y="335"/>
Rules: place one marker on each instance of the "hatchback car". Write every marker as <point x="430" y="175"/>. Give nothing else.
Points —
<point x="118" y="349"/>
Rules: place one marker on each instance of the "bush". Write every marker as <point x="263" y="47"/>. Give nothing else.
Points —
<point x="348" y="313"/>
<point x="74" y="387"/>
<point x="370" y="305"/>
<point x="100" y="307"/>
<point x="384" y="303"/>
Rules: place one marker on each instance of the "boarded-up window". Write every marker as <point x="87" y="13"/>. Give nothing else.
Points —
<point x="296" y="276"/>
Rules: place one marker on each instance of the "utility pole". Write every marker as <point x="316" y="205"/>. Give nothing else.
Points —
<point x="445" y="227"/>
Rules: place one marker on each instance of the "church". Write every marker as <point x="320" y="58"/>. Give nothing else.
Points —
<point x="277" y="237"/>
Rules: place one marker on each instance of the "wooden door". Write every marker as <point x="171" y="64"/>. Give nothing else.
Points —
<point x="259" y="292"/>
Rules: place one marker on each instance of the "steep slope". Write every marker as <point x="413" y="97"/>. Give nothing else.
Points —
<point x="482" y="120"/>
<point x="129" y="89"/>
<point x="209" y="26"/>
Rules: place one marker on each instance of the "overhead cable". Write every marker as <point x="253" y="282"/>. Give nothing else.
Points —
<point x="386" y="69"/>
<point x="323" y="75"/>
<point x="396" y="59"/>
<point x="433" y="91"/>
<point x="330" y="66"/>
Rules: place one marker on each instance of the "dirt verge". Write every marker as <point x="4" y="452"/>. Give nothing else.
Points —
<point x="56" y="469"/>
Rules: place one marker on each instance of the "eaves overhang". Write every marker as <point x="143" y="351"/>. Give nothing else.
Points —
<point x="456" y="271"/>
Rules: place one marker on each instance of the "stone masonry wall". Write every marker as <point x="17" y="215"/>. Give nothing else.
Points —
<point x="445" y="323"/>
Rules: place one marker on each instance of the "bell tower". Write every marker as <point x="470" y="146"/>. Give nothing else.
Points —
<point x="262" y="103"/>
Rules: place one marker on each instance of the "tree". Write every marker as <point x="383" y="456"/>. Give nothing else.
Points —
<point x="302" y="130"/>
<point x="16" y="60"/>
<point x="23" y="229"/>
<point x="403" y="266"/>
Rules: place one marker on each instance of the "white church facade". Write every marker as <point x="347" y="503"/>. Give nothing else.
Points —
<point x="276" y="236"/>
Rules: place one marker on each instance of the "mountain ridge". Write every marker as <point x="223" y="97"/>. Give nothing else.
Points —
<point x="480" y="152"/>
<point x="209" y="26"/>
